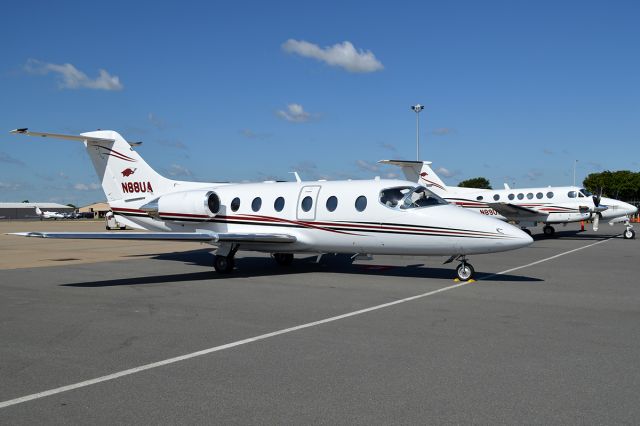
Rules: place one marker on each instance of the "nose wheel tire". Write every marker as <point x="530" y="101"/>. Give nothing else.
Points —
<point x="629" y="234"/>
<point x="465" y="271"/>
<point x="283" y="259"/>
<point x="223" y="264"/>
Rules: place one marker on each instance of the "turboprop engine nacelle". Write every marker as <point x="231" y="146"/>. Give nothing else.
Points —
<point x="186" y="205"/>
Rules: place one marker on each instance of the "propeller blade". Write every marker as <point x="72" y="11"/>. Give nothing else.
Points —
<point x="596" y="222"/>
<point x="596" y="200"/>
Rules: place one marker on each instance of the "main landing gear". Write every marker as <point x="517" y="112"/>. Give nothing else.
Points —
<point x="527" y="231"/>
<point x="283" y="259"/>
<point x="548" y="230"/>
<point x="224" y="259"/>
<point x="464" y="271"/>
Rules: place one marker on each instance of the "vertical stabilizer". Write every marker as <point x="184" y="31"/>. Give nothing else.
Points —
<point x="121" y="170"/>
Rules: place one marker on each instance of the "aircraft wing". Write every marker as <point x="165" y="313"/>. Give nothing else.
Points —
<point x="205" y="237"/>
<point x="509" y="210"/>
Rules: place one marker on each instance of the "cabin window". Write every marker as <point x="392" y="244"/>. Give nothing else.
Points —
<point x="256" y="204"/>
<point x="421" y="197"/>
<point x="278" y="204"/>
<point x="361" y="203"/>
<point x="391" y="197"/>
<point x="530" y="196"/>
<point x="549" y="194"/>
<point x="307" y="203"/>
<point x="332" y="203"/>
<point x="520" y="196"/>
<point x="235" y="204"/>
<point x="479" y="197"/>
<point x="539" y="195"/>
<point x="511" y="196"/>
<point x="572" y="194"/>
<point x="496" y="197"/>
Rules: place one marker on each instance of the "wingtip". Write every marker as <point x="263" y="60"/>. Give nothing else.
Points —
<point x="27" y="234"/>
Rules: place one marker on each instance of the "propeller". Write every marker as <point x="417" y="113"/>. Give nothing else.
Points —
<point x="597" y="210"/>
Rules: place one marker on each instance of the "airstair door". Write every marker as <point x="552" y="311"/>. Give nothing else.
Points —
<point x="307" y="201"/>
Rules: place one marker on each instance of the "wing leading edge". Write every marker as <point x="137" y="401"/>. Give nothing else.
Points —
<point x="509" y="210"/>
<point x="205" y="237"/>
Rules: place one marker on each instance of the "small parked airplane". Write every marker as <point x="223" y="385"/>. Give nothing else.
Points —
<point x="525" y="206"/>
<point x="373" y="216"/>
<point x="49" y="215"/>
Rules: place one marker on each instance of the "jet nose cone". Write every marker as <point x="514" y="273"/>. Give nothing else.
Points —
<point x="520" y="238"/>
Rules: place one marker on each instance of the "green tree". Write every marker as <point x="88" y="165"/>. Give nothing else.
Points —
<point x="621" y="184"/>
<point x="478" y="182"/>
<point x="25" y="201"/>
<point x="72" y="206"/>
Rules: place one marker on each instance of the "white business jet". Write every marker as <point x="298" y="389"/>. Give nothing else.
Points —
<point x="525" y="206"/>
<point x="369" y="217"/>
<point x="49" y="215"/>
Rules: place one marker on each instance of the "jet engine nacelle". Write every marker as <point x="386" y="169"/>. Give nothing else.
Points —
<point x="186" y="205"/>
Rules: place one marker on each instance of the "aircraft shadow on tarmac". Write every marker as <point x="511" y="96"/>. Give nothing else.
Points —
<point x="574" y="235"/>
<point x="247" y="267"/>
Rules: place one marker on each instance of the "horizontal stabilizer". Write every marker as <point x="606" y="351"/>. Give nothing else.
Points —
<point x="78" y="138"/>
<point x="207" y="237"/>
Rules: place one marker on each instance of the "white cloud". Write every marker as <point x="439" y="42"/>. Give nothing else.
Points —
<point x="342" y="55"/>
<point x="442" y="131"/>
<point x="8" y="186"/>
<point x="178" y="170"/>
<point x="369" y="167"/>
<point x="250" y="134"/>
<point x="72" y="78"/>
<point x="294" y="113"/>
<point x="156" y="121"/>
<point x="6" y="158"/>
<point x="445" y="172"/>
<point x="86" y="187"/>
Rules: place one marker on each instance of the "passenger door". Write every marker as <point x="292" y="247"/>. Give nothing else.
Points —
<point x="307" y="201"/>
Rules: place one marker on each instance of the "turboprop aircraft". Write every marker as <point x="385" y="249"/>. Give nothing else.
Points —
<point x="282" y="218"/>
<point x="49" y="215"/>
<point x="525" y="206"/>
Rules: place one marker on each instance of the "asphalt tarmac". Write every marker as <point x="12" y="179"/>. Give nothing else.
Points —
<point x="151" y="335"/>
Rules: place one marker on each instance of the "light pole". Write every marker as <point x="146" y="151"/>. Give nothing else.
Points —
<point x="574" y="171"/>
<point x="417" y="108"/>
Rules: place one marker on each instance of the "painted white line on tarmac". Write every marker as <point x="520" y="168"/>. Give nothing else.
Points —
<point x="185" y="357"/>
<point x="546" y="259"/>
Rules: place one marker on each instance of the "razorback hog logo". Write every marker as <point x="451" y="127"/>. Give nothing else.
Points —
<point x="423" y="174"/>
<point x="133" y="187"/>
<point x="128" y="172"/>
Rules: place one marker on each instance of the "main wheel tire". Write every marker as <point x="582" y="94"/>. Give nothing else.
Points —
<point x="629" y="234"/>
<point x="548" y="230"/>
<point x="283" y="259"/>
<point x="223" y="264"/>
<point x="108" y="228"/>
<point x="465" y="272"/>
<point x="527" y="231"/>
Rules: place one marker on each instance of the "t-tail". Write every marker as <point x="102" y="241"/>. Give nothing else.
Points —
<point x="121" y="170"/>
<point x="421" y="172"/>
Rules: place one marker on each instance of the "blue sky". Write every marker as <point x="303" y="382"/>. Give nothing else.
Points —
<point x="514" y="90"/>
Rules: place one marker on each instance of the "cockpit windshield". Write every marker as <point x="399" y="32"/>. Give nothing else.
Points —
<point x="586" y="193"/>
<point x="408" y="197"/>
<point x="391" y="197"/>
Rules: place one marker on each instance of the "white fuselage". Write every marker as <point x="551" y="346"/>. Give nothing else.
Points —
<point x="305" y="210"/>
<point x="552" y="204"/>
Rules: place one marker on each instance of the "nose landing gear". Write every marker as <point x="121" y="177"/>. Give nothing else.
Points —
<point x="464" y="271"/>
